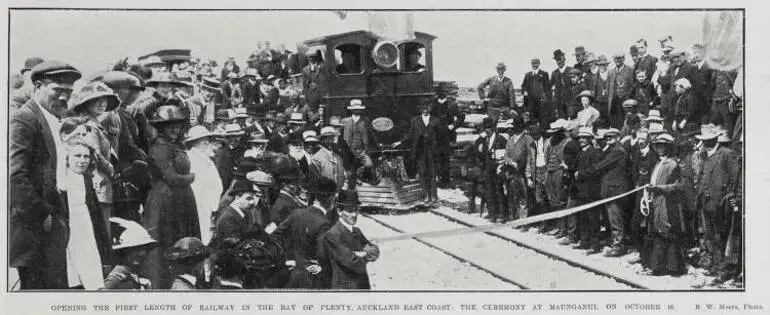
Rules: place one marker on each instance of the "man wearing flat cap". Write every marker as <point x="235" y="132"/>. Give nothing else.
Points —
<point x="536" y="89"/>
<point x="678" y="69"/>
<point x="621" y="87"/>
<point x="37" y="217"/>
<point x="613" y="171"/>
<point x="500" y="94"/>
<point x="20" y="96"/>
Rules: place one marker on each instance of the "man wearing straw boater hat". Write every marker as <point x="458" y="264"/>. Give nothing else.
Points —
<point x="327" y="160"/>
<point x="500" y="96"/>
<point x="203" y="105"/>
<point x="717" y="172"/>
<point x="359" y="135"/>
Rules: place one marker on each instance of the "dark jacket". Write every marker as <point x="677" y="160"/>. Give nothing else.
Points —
<point x="684" y="107"/>
<point x="613" y="171"/>
<point x="422" y="139"/>
<point x="283" y="207"/>
<point x="537" y="87"/>
<point x="621" y="82"/>
<point x="483" y="156"/>
<point x="300" y="233"/>
<point x="647" y="63"/>
<point x="448" y="114"/>
<point x="368" y="137"/>
<point x="348" y="271"/>
<point x="645" y="94"/>
<point x="518" y="152"/>
<point x="501" y="93"/>
<point x="642" y="165"/>
<point x="277" y="144"/>
<point x="558" y="82"/>
<point x="686" y="70"/>
<point x="587" y="186"/>
<point x="230" y="224"/>
<point x="715" y="178"/>
<point x="33" y="196"/>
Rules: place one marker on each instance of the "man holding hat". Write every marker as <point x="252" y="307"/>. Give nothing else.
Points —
<point x="37" y="221"/>
<point x="21" y="95"/>
<point x="358" y="133"/>
<point x="301" y="232"/>
<point x="346" y="249"/>
<point x="500" y="94"/>
<point x="717" y="172"/>
<point x="328" y="162"/>
<point x="536" y="88"/>
<point x="620" y="88"/>
<point x="612" y="170"/>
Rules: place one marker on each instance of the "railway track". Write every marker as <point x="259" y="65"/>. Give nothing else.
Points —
<point x="513" y="262"/>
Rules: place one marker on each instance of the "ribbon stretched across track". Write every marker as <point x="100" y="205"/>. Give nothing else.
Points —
<point x="516" y="223"/>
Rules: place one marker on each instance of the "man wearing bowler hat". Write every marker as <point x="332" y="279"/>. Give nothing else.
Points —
<point x="345" y="249"/>
<point x="500" y="95"/>
<point x="559" y="83"/>
<point x="37" y="217"/>
<point x="300" y="232"/>
<point x="536" y="89"/>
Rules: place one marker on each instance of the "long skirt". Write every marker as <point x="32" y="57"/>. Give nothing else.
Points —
<point x="666" y="255"/>
<point x="170" y="213"/>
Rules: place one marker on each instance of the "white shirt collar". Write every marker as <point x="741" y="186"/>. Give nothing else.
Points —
<point x="645" y="150"/>
<point x="346" y="225"/>
<point x="562" y="68"/>
<point x="442" y="100"/>
<point x="233" y="205"/>
<point x="425" y="119"/>
<point x="319" y="206"/>
<point x="355" y="118"/>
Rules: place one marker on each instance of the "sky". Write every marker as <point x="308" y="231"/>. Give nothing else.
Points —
<point x="469" y="43"/>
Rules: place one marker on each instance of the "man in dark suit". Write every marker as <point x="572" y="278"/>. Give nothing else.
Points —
<point x="286" y="172"/>
<point x="234" y="220"/>
<point x="585" y="190"/>
<point x="314" y="78"/>
<point x="423" y="144"/>
<point x="485" y="152"/>
<point x="644" y="61"/>
<point x="621" y="89"/>
<point x="38" y="220"/>
<point x="559" y="78"/>
<point x="702" y="87"/>
<point x="450" y="118"/>
<point x="345" y="248"/>
<point x="500" y="95"/>
<point x="536" y="88"/>
<point x="279" y="135"/>
<point x="614" y="181"/>
<point x="300" y="233"/>
<point x="680" y="68"/>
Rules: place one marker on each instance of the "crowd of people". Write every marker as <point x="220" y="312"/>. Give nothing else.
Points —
<point x="147" y="177"/>
<point x="591" y="131"/>
<point x="180" y="176"/>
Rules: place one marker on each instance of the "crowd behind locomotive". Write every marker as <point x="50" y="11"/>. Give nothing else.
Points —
<point x="181" y="175"/>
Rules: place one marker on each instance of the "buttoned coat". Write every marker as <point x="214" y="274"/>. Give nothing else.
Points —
<point x="348" y="271"/>
<point x="715" y="177"/>
<point x="422" y="139"/>
<point x="300" y="233"/>
<point x="33" y="196"/>
<point x="500" y="93"/>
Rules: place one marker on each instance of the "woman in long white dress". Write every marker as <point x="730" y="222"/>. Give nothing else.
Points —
<point x="208" y="188"/>
<point x="88" y="245"/>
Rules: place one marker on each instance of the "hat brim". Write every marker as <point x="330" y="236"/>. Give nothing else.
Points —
<point x="188" y="140"/>
<point x="706" y="137"/>
<point x="153" y="83"/>
<point x="311" y="139"/>
<point x="356" y="107"/>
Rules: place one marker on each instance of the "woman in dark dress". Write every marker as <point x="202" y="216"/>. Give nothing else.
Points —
<point x="170" y="212"/>
<point x="665" y="224"/>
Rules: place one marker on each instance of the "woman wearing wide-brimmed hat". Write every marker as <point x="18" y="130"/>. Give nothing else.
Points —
<point x="170" y="212"/>
<point x="208" y="188"/>
<point x="187" y="258"/>
<point x="87" y="105"/>
<point x="588" y="114"/>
